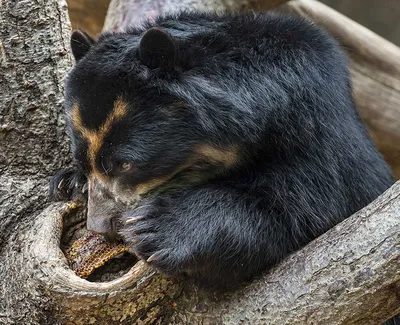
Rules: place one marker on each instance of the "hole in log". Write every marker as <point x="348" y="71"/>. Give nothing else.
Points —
<point x="90" y="255"/>
<point x="113" y="269"/>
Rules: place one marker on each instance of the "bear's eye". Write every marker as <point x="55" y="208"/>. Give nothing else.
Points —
<point x="126" y="166"/>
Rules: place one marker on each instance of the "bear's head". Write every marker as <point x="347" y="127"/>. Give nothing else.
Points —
<point x="130" y="133"/>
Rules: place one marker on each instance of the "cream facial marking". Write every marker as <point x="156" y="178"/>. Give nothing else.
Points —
<point x="95" y="139"/>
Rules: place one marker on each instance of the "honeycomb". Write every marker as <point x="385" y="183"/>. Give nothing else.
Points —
<point x="90" y="252"/>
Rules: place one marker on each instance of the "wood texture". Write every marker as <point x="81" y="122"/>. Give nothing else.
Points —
<point x="34" y="60"/>
<point x="348" y="276"/>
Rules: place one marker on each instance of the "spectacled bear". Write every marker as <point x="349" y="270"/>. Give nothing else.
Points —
<point x="216" y="145"/>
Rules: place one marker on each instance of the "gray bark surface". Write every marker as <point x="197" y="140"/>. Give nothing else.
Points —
<point x="34" y="59"/>
<point x="350" y="275"/>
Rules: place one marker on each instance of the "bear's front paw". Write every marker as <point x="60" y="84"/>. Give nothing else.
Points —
<point x="68" y="184"/>
<point x="154" y="236"/>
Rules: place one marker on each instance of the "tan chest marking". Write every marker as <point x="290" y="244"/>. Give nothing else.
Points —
<point x="226" y="157"/>
<point x="95" y="139"/>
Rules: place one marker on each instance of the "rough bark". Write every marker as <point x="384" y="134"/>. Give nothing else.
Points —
<point x="350" y="275"/>
<point x="34" y="58"/>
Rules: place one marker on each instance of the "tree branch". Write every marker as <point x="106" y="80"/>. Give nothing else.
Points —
<point x="349" y="275"/>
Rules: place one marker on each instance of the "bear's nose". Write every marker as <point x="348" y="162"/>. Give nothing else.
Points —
<point x="100" y="225"/>
<point x="104" y="226"/>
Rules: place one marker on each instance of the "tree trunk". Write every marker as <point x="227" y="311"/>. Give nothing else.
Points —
<point x="34" y="58"/>
<point x="350" y="275"/>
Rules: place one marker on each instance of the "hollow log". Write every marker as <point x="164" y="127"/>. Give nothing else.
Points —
<point x="349" y="275"/>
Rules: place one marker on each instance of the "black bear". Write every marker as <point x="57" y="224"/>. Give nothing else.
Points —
<point x="216" y="145"/>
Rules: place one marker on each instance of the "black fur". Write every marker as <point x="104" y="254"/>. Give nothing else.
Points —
<point x="68" y="184"/>
<point x="158" y="50"/>
<point x="81" y="42"/>
<point x="275" y="88"/>
<point x="394" y="321"/>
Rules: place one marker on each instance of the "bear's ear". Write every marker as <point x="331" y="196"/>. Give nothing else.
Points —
<point x="81" y="42"/>
<point x="158" y="49"/>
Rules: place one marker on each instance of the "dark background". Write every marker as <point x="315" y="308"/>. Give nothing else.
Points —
<point x="381" y="16"/>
